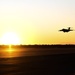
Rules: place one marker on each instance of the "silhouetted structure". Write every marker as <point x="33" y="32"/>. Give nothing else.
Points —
<point x="66" y="30"/>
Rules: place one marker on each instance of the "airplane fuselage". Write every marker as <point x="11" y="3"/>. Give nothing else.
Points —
<point x="66" y="30"/>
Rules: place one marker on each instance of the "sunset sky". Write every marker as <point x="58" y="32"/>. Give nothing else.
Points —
<point x="38" y="21"/>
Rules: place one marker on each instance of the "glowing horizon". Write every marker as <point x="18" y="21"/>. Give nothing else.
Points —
<point x="10" y="38"/>
<point x="38" y="22"/>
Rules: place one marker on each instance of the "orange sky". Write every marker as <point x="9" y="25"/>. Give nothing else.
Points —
<point x="38" y="22"/>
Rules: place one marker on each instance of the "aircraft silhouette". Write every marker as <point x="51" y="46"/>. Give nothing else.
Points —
<point x="66" y="30"/>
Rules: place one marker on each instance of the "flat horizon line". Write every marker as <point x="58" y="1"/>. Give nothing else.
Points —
<point x="39" y="45"/>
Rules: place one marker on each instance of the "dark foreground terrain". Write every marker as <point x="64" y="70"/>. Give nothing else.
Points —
<point x="42" y="64"/>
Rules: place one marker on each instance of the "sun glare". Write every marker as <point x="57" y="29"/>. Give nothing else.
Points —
<point x="10" y="38"/>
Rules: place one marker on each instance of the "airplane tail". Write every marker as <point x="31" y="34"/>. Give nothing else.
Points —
<point x="69" y="28"/>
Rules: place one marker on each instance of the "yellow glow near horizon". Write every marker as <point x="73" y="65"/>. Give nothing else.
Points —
<point x="37" y="21"/>
<point x="10" y="38"/>
<point x="10" y="50"/>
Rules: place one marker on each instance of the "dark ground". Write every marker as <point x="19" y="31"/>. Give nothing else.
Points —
<point x="51" y="64"/>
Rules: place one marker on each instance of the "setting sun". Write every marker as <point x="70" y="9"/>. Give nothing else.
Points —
<point x="10" y="38"/>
